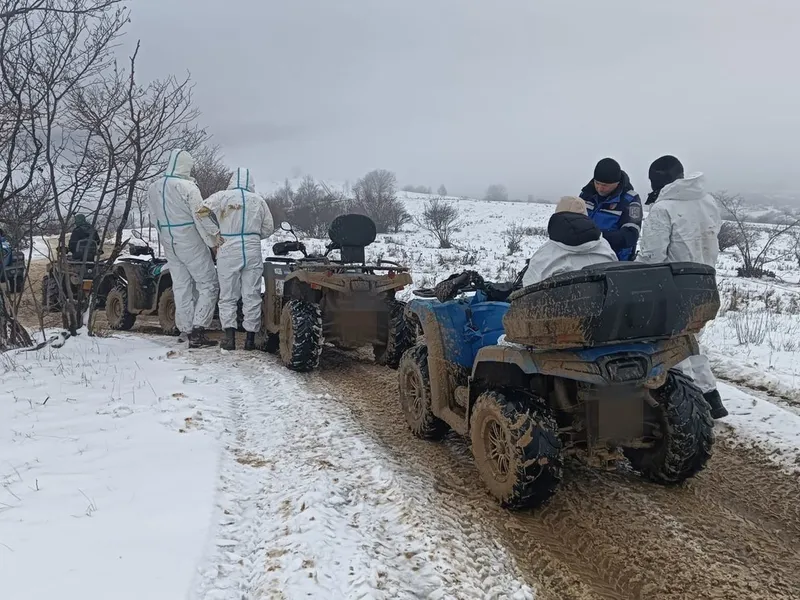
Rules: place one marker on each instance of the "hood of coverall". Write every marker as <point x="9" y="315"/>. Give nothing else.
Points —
<point x="242" y="179"/>
<point x="180" y="164"/>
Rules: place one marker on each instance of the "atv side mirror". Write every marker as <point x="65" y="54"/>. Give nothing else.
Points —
<point x="137" y="234"/>
<point x="286" y="226"/>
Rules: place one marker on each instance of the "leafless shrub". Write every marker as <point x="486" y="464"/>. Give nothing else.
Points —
<point x="513" y="236"/>
<point x="756" y="247"/>
<point x="751" y="326"/>
<point x="441" y="219"/>
<point x="210" y="171"/>
<point x="729" y="236"/>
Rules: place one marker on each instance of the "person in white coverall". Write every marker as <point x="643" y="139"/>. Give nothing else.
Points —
<point x="244" y="220"/>
<point x="575" y="242"/>
<point x="683" y="226"/>
<point x="187" y="235"/>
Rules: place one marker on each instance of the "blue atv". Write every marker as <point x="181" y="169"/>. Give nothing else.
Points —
<point x="581" y="364"/>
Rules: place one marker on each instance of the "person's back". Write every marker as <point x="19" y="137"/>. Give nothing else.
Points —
<point x="186" y="235"/>
<point x="683" y="225"/>
<point x="173" y="200"/>
<point x="244" y="220"/>
<point x="82" y="231"/>
<point x="575" y="242"/>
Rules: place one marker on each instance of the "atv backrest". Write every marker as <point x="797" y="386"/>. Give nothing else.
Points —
<point x="85" y="248"/>
<point x="351" y="234"/>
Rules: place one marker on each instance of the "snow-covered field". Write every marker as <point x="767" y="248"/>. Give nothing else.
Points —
<point x="130" y="468"/>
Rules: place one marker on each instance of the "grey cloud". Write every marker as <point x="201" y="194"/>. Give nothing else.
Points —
<point x="469" y="92"/>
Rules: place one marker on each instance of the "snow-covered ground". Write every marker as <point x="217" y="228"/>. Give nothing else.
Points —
<point x="127" y="467"/>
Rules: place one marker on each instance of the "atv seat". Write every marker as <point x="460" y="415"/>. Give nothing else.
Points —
<point x="351" y="234"/>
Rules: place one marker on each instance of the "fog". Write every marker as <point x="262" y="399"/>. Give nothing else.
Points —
<point x="529" y="93"/>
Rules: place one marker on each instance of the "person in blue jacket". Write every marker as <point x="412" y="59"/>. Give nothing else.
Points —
<point x="614" y="207"/>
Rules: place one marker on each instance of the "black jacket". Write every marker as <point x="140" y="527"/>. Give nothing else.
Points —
<point x="572" y="229"/>
<point x="80" y="233"/>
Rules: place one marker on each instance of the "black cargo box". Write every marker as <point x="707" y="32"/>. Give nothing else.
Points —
<point x="611" y="303"/>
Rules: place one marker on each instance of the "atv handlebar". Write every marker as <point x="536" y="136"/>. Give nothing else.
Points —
<point x="283" y="248"/>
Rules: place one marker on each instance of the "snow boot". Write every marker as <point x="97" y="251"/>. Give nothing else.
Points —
<point x="229" y="343"/>
<point x="250" y="341"/>
<point x="198" y="339"/>
<point x="183" y="337"/>
<point x="714" y="400"/>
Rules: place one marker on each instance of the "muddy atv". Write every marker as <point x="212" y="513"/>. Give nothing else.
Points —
<point x="139" y="284"/>
<point x="579" y="365"/>
<point x="69" y="274"/>
<point x="345" y="302"/>
<point x="12" y="269"/>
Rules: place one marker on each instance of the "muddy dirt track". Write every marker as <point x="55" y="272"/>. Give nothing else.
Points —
<point x="731" y="533"/>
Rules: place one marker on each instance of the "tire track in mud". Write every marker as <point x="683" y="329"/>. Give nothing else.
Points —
<point x="732" y="532"/>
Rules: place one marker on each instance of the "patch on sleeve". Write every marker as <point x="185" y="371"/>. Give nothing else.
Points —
<point x="203" y="211"/>
<point x="635" y="211"/>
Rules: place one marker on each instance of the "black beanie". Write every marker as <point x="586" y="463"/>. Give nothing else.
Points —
<point x="608" y="171"/>
<point x="664" y="171"/>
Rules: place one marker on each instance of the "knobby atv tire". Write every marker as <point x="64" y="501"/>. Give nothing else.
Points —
<point x="50" y="294"/>
<point x="415" y="395"/>
<point x="117" y="309"/>
<point x="301" y="335"/>
<point x="166" y="312"/>
<point x="516" y="448"/>
<point x="398" y="336"/>
<point x="687" y="434"/>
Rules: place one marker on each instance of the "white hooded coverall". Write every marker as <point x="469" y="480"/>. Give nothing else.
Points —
<point x="186" y="236"/>
<point x="682" y="226"/>
<point x="244" y="220"/>
<point x="554" y="258"/>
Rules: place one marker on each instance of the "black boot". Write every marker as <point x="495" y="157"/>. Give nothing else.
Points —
<point x="229" y="343"/>
<point x="198" y="339"/>
<point x="714" y="400"/>
<point x="250" y="341"/>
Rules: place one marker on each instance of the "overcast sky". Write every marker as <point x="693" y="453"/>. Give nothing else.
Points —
<point x="530" y="93"/>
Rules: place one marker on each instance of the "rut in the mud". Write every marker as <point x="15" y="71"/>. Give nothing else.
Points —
<point x="733" y="532"/>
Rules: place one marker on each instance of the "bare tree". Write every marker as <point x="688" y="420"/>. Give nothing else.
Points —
<point x="757" y="247"/>
<point x="496" y="192"/>
<point x="314" y="207"/>
<point x="441" y="219"/>
<point x="375" y="195"/>
<point x="210" y="171"/>
<point x="442" y="191"/>
<point x="11" y="9"/>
